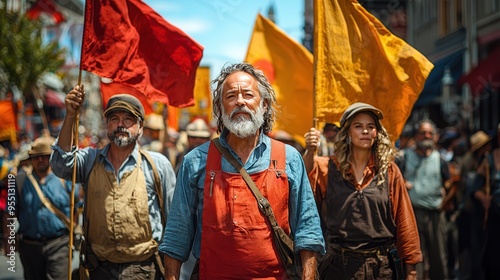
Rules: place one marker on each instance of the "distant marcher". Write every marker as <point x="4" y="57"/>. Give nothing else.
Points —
<point x="470" y="212"/>
<point x="198" y="133"/>
<point x="153" y="133"/>
<point x="43" y="236"/>
<point x="330" y="131"/>
<point x="425" y="173"/>
<point x="486" y="192"/>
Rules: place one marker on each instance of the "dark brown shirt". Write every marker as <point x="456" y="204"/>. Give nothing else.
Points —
<point x="407" y="239"/>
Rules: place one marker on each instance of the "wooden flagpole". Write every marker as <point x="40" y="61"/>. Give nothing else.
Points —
<point x="75" y="144"/>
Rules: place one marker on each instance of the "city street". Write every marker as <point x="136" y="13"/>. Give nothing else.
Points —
<point x="6" y="274"/>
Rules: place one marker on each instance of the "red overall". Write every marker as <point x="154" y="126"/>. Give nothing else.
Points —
<point x="236" y="239"/>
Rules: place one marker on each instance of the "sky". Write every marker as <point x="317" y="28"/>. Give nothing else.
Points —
<point x="224" y="27"/>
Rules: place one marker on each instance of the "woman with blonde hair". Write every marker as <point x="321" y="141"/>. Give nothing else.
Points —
<point x="367" y="217"/>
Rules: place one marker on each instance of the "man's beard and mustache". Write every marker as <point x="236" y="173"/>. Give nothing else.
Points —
<point x="121" y="140"/>
<point x="241" y="126"/>
<point x="425" y="145"/>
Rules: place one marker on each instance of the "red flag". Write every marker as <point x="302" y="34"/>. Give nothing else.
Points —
<point x="130" y="43"/>
<point x="45" y="9"/>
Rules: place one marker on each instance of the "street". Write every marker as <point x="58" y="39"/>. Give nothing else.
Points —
<point x="10" y="270"/>
<point x="14" y="270"/>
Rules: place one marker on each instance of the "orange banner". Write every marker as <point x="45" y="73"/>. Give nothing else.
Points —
<point x="8" y="122"/>
<point x="289" y="67"/>
<point x="358" y="59"/>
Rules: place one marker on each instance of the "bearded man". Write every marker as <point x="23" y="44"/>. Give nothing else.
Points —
<point x="128" y="191"/>
<point x="214" y="214"/>
<point x="425" y="173"/>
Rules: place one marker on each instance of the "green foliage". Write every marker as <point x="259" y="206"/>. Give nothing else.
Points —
<point x="23" y="56"/>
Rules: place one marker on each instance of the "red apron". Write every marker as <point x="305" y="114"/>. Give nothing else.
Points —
<point x="236" y="240"/>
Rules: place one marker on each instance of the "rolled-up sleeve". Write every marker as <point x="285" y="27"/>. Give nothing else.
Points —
<point x="182" y="225"/>
<point x="62" y="162"/>
<point x="304" y="218"/>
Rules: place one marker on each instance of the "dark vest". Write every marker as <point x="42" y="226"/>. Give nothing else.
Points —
<point x="356" y="219"/>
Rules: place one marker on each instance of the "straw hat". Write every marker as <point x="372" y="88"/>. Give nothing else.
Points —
<point x="23" y="153"/>
<point x="154" y="122"/>
<point x="198" y="128"/>
<point x="478" y="139"/>
<point x="41" y="147"/>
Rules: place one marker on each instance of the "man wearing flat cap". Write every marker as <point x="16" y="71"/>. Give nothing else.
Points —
<point x="128" y="190"/>
<point x="43" y="236"/>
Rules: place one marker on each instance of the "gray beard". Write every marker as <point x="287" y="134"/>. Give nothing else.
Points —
<point x="241" y="126"/>
<point x="425" y="145"/>
<point x="122" y="141"/>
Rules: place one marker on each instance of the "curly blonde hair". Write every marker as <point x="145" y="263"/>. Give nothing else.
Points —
<point x="383" y="149"/>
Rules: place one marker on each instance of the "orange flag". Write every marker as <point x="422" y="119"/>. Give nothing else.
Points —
<point x="128" y="42"/>
<point x="8" y="122"/>
<point x="202" y="96"/>
<point x="289" y="67"/>
<point x="358" y="59"/>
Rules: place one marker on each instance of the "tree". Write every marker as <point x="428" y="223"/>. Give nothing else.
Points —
<point x="24" y="58"/>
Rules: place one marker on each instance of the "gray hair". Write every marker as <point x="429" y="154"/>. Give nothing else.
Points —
<point x="266" y="91"/>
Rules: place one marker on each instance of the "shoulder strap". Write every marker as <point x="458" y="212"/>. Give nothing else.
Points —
<point x="46" y="202"/>
<point x="158" y="188"/>
<point x="21" y="177"/>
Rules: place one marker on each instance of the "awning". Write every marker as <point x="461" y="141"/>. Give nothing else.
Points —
<point x="485" y="74"/>
<point x="433" y="84"/>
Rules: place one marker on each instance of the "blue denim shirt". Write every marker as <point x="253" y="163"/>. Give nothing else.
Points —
<point x="183" y="231"/>
<point x="35" y="220"/>
<point x="62" y="165"/>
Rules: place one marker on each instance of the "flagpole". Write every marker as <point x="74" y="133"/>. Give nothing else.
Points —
<point x="315" y="52"/>
<point x="75" y="144"/>
<point x="73" y="183"/>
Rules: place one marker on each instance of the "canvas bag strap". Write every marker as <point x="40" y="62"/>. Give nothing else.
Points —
<point x="46" y="202"/>
<point x="263" y="203"/>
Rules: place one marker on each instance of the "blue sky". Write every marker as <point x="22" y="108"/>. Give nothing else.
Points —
<point x="224" y="27"/>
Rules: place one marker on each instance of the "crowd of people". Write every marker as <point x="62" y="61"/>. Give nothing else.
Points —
<point x="165" y="204"/>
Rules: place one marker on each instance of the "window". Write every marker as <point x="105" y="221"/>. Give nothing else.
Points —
<point x="450" y="16"/>
<point x="425" y="12"/>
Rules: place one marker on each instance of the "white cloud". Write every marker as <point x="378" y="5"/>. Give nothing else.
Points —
<point x="191" y="26"/>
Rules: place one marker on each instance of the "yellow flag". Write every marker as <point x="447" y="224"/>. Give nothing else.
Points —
<point x="358" y="59"/>
<point x="202" y="107"/>
<point x="289" y="67"/>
